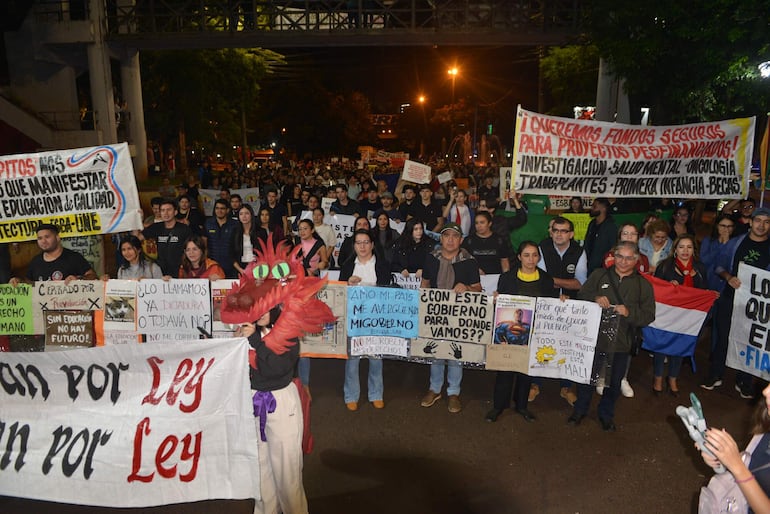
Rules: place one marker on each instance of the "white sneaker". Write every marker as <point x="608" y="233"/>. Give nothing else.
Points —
<point x="600" y="386"/>
<point x="626" y="389"/>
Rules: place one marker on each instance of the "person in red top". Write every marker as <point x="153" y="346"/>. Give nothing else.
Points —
<point x="628" y="232"/>
<point x="195" y="264"/>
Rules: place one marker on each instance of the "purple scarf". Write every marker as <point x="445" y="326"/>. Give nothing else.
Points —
<point x="264" y="404"/>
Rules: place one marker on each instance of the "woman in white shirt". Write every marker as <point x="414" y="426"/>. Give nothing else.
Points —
<point x="364" y="270"/>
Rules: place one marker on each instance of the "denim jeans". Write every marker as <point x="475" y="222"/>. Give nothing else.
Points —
<point x="658" y="364"/>
<point x="454" y="376"/>
<point x="352" y="387"/>
<point x="303" y="370"/>
<point x="606" y="408"/>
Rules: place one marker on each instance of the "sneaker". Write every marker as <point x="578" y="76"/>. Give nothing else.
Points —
<point x="568" y="395"/>
<point x="745" y="392"/>
<point x="534" y="390"/>
<point x="711" y="383"/>
<point x="378" y="404"/>
<point x="454" y="404"/>
<point x="430" y="398"/>
<point x="352" y="406"/>
<point x="600" y="386"/>
<point x="626" y="389"/>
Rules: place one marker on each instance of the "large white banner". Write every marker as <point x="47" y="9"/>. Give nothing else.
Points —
<point x="129" y="425"/>
<point x="85" y="191"/>
<point x="749" y="339"/>
<point x="594" y="158"/>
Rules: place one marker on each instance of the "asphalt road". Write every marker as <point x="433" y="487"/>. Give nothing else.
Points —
<point x="407" y="459"/>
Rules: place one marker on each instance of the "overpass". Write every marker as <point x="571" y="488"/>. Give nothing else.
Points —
<point x="165" y="24"/>
<point x="63" y="54"/>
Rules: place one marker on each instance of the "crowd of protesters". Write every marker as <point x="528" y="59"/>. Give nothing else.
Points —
<point x="453" y="233"/>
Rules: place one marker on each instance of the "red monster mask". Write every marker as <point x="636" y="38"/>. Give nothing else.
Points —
<point x="275" y="278"/>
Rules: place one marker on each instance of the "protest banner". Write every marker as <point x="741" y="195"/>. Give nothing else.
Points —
<point x="593" y="158"/>
<point x="379" y="345"/>
<point x="120" y="305"/>
<point x="416" y="172"/>
<point x="85" y="191"/>
<point x="129" y="425"/>
<point x="465" y="317"/>
<point x="219" y="290"/>
<point x="426" y="350"/>
<point x="249" y="195"/>
<point x="16" y="309"/>
<point x="489" y="283"/>
<point x="749" y="338"/>
<point x="333" y="341"/>
<point x="169" y="310"/>
<point x="69" y="329"/>
<point x="563" y="339"/>
<point x="78" y="295"/>
<point x="406" y="282"/>
<point x="342" y="225"/>
<point x="381" y="311"/>
<point x="512" y="330"/>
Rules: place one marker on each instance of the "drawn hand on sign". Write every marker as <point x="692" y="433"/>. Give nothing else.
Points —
<point x="457" y="350"/>
<point x="430" y="348"/>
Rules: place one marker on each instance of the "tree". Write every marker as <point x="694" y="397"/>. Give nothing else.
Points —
<point x="203" y="95"/>
<point x="570" y="73"/>
<point x="689" y="61"/>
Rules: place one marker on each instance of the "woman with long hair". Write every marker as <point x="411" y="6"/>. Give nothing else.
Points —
<point x="655" y="245"/>
<point x="411" y="248"/>
<point x="711" y="247"/>
<point x="135" y="265"/>
<point x="346" y="248"/>
<point x="196" y="264"/>
<point x="528" y="280"/>
<point x="366" y="269"/>
<point x="681" y="268"/>
<point x="313" y="249"/>
<point x="753" y="482"/>
<point x="245" y="237"/>
<point x="681" y="222"/>
<point x="384" y="237"/>
<point x="267" y="228"/>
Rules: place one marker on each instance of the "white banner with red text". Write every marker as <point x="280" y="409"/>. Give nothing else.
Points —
<point x="85" y="191"/>
<point x="129" y="425"/>
<point x="594" y="158"/>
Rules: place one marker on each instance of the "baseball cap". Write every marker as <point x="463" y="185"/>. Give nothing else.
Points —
<point x="386" y="194"/>
<point x="452" y="226"/>
<point x="760" y="211"/>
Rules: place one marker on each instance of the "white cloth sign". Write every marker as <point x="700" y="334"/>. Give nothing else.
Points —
<point x="130" y="425"/>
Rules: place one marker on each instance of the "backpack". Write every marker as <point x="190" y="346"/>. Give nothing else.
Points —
<point x="722" y="494"/>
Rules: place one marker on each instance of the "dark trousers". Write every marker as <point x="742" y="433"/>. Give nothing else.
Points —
<point x="723" y="315"/>
<point x="504" y="387"/>
<point x="606" y="408"/>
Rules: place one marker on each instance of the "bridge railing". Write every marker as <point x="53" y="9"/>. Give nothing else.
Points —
<point x="166" y="16"/>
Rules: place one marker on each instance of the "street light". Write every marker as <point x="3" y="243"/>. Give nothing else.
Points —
<point x="764" y="69"/>
<point x="453" y="73"/>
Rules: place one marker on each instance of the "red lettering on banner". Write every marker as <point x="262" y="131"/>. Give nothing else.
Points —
<point x="190" y="451"/>
<point x="535" y="144"/>
<point x="185" y="373"/>
<point x="12" y="168"/>
<point x="688" y="133"/>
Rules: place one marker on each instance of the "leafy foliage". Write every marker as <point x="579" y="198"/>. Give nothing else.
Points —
<point x="690" y="61"/>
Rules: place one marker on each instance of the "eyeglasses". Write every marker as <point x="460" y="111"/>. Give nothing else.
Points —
<point x="625" y="233"/>
<point x="621" y="257"/>
<point x="561" y="230"/>
<point x="725" y="226"/>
